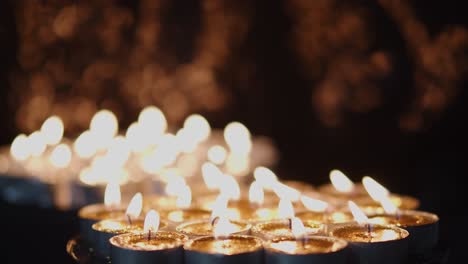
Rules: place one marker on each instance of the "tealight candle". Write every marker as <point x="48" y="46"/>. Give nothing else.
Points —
<point x="105" y="229"/>
<point x="282" y="228"/>
<point x="151" y="246"/>
<point x="309" y="249"/>
<point x="422" y="226"/>
<point x="371" y="243"/>
<point x="227" y="249"/>
<point x="91" y="214"/>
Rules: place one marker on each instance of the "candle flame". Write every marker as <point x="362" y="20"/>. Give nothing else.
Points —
<point x="175" y="184"/>
<point x="256" y="193"/>
<point x="112" y="195"/>
<point x="52" y="129"/>
<point x="285" y="209"/>
<point x="136" y="138"/>
<point x="230" y="187"/>
<point x="265" y="177"/>
<point x="219" y="207"/>
<point x="237" y="164"/>
<point x="135" y="206"/>
<point x="314" y="204"/>
<point x="198" y="127"/>
<point x="297" y="228"/>
<point x="152" y="122"/>
<point x="341" y="182"/>
<point x="212" y="175"/>
<point x="61" y="156"/>
<point x="217" y="154"/>
<point x="184" y="197"/>
<point x="119" y="151"/>
<point x="223" y="228"/>
<point x="37" y="143"/>
<point x="358" y="214"/>
<point x="19" y="147"/>
<point x="388" y="206"/>
<point x="376" y="191"/>
<point x="104" y="126"/>
<point x="238" y="138"/>
<point x="152" y="220"/>
<point x="284" y="191"/>
<point x="84" y="145"/>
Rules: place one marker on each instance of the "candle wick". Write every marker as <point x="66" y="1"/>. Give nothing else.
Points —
<point x="149" y="234"/>
<point x="369" y="232"/>
<point x="214" y="221"/>
<point x="303" y="241"/>
<point x="398" y="215"/>
<point x="290" y="223"/>
<point x="129" y="219"/>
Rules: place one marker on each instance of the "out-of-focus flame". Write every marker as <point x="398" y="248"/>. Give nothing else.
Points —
<point x="52" y="129"/>
<point x="341" y="182"/>
<point x="358" y="214"/>
<point x="388" y="206"/>
<point x="187" y="141"/>
<point x="162" y="156"/>
<point x="217" y="154"/>
<point x="37" y="143"/>
<point x="135" y="206"/>
<point x="19" y="149"/>
<point x="85" y="145"/>
<point x="112" y="195"/>
<point x="103" y="170"/>
<point x="237" y="165"/>
<point x="285" y="209"/>
<point x="61" y="156"/>
<point x="184" y="197"/>
<point x="265" y="177"/>
<point x="174" y="184"/>
<point x="136" y="137"/>
<point x="212" y="175"/>
<point x="230" y="187"/>
<point x="297" y="228"/>
<point x="104" y="125"/>
<point x="284" y="191"/>
<point x="256" y="193"/>
<point x="376" y="191"/>
<point x="238" y="138"/>
<point x="314" y="204"/>
<point x="152" y="220"/>
<point x="198" y="127"/>
<point x="152" y="122"/>
<point x="223" y="227"/>
<point x="119" y="151"/>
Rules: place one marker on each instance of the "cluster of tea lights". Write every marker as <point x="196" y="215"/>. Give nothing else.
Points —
<point x="207" y="196"/>
<point x="266" y="222"/>
<point x="145" y="156"/>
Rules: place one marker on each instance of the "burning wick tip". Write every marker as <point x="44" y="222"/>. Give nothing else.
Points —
<point x="129" y="220"/>
<point x="214" y="221"/>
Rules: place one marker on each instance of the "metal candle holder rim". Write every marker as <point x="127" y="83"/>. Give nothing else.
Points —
<point x="343" y="244"/>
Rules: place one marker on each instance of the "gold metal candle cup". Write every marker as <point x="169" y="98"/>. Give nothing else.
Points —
<point x="205" y="228"/>
<point x="324" y="217"/>
<point x="93" y="213"/>
<point x="386" y="245"/>
<point x="233" y="249"/>
<point x="281" y="228"/>
<point x="105" y="229"/>
<point x="311" y="249"/>
<point x="185" y="215"/>
<point x="422" y="226"/>
<point x="404" y="202"/>
<point x="163" y="247"/>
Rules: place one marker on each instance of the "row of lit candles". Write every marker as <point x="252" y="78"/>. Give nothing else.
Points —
<point x="147" y="149"/>
<point x="230" y="226"/>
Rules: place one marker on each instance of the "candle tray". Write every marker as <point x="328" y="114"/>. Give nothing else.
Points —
<point x="82" y="253"/>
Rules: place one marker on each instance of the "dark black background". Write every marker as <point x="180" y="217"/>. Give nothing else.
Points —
<point x="428" y="164"/>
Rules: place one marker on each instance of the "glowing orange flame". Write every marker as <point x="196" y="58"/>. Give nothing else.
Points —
<point x="265" y="177"/>
<point x="297" y="228"/>
<point x="358" y="214"/>
<point x="375" y="189"/>
<point x="135" y="206"/>
<point x="238" y="138"/>
<point x="112" y="195"/>
<point x="19" y="147"/>
<point x="152" y="220"/>
<point x="341" y="182"/>
<point x="314" y="204"/>
<point x="217" y="154"/>
<point x="285" y="209"/>
<point x="52" y="129"/>
<point x="61" y="156"/>
<point x="256" y="193"/>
